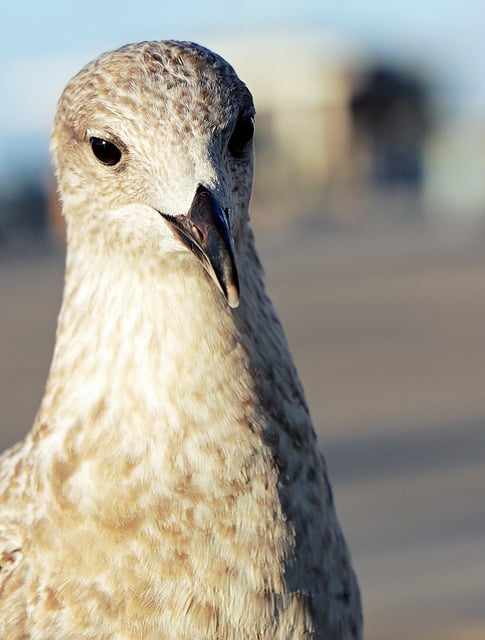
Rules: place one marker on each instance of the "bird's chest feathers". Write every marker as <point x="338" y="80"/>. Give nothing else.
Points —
<point x="195" y="505"/>
<point x="158" y="478"/>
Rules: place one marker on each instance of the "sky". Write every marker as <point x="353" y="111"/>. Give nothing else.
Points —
<point x="42" y="44"/>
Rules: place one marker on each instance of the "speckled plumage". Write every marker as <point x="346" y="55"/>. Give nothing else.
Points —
<point x="171" y="486"/>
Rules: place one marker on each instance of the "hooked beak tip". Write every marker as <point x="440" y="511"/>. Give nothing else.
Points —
<point x="232" y="295"/>
<point x="205" y="231"/>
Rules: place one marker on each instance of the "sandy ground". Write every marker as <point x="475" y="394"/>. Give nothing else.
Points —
<point x="387" y="329"/>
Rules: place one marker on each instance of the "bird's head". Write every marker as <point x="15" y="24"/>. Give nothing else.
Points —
<point x="153" y="148"/>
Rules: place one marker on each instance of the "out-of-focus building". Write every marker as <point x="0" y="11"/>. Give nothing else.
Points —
<point x="302" y="86"/>
<point x="341" y="134"/>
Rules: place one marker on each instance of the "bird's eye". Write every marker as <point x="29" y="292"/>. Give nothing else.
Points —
<point x="106" y="152"/>
<point x="241" y="136"/>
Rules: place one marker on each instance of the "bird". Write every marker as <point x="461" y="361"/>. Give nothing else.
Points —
<point x="172" y="485"/>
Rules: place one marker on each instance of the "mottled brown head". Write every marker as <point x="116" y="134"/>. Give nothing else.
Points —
<point x="140" y="131"/>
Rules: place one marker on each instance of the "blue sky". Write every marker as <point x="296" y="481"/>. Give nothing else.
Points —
<point x="60" y="26"/>
<point x="57" y="27"/>
<point x="43" y="43"/>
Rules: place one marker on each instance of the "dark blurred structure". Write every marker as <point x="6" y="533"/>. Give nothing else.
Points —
<point x="23" y="209"/>
<point x="392" y="118"/>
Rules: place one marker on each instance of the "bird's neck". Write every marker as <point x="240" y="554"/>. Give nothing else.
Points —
<point x="136" y="340"/>
<point x="145" y="348"/>
<point x="165" y="407"/>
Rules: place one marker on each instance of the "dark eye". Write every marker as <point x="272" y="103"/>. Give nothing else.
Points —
<point x="106" y="152"/>
<point x="241" y="136"/>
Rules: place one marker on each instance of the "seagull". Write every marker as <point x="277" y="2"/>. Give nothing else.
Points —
<point x="171" y="486"/>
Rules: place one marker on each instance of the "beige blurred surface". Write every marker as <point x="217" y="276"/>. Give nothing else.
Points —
<point x="386" y="324"/>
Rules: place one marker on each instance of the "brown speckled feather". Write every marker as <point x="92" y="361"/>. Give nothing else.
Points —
<point x="171" y="486"/>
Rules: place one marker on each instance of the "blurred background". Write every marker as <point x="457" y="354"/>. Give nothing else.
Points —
<point x="369" y="209"/>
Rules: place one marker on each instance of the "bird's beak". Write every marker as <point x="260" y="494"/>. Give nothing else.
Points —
<point x="205" y="231"/>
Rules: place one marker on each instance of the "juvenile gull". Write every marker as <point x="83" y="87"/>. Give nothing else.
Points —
<point x="171" y="486"/>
